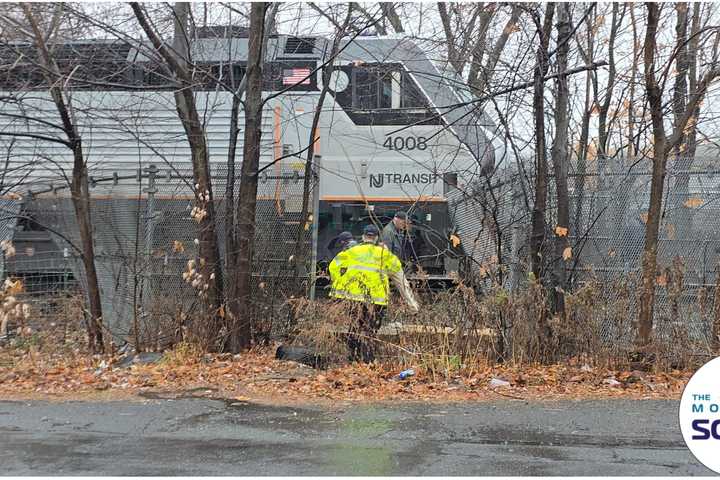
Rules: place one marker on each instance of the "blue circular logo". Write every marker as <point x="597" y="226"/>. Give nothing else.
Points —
<point x="700" y="415"/>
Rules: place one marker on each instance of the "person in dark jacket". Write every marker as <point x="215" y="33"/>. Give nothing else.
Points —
<point x="342" y="242"/>
<point x="396" y="237"/>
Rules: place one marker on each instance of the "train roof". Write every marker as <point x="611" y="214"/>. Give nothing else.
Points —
<point x="462" y="116"/>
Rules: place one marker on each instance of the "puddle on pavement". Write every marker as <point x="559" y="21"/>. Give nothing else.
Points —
<point x="360" y="459"/>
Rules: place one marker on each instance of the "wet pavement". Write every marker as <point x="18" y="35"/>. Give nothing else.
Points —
<point x="214" y="437"/>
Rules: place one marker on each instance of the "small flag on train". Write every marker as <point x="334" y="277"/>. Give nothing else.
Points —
<point x="293" y="76"/>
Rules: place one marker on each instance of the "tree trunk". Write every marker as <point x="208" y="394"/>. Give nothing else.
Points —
<point x="604" y="108"/>
<point x="537" y="236"/>
<point x="209" y="262"/>
<point x="79" y="187"/>
<point x="453" y="54"/>
<point x="484" y="77"/>
<point x="560" y="157"/>
<point x="584" y="132"/>
<point x="649" y="260"/>
<point x="230" y="208"/>
<point x="685" y="64"/>
<point x="209" y="253"/>
<point x="691" y="139"/>
<point x="231" y="250"/>
<point x="715" y="341"/>
<point x="389" y="12"/>
<point x="80" y="191"/>
<point x="478" y="52"/>
<point x="631" y="150"/>
<point x="240" y="305"/>
<point x="662" y="145"/>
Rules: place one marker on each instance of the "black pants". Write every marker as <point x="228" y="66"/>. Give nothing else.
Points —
<point x="361" y="337"/>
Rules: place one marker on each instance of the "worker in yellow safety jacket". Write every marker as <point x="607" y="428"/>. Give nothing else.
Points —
<point x="361" y="274"/>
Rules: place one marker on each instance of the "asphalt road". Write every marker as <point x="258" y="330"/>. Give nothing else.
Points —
<point x="213" y="437"/>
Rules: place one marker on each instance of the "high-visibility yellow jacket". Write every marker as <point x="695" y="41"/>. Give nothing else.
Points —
<point x="362" y="273"/>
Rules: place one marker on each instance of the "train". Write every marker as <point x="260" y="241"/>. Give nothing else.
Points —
<point x="396" y="132"/>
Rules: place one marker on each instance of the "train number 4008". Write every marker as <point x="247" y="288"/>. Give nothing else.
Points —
<point x="405" y="143"/>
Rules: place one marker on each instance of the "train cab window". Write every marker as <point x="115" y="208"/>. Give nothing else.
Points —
<point x="411" y="96"/>
<point x="210" y="75"/>
<point x="383" y="87"/>
<point x="383" y="94"/>
<point x="372" y="89"/>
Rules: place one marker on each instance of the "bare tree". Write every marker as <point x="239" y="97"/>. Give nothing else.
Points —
<point x="231" y="207"/>
<point x="662" y="146"/>
<point x="685" y="84"/>
<point x="79" y="185"/>
<point x="459" y="28"/>
<point x="559" y="155"/>
<point x="588" y="55"/>
<point x="537" y="235"/>
<point x="177" y="61"/>
<point x="605" y="103"/>
<point x="485" y="75"/>
<point x="240" y="304"/>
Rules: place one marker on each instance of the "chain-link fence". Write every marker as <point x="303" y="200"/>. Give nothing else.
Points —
<point x="608" y="212"/>
<point x="609" y="237"/>
<point x="144" y="236"/>
<point x="493" y="215"/>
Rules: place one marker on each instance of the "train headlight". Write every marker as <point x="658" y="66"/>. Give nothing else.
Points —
<point x="339" y="81"/>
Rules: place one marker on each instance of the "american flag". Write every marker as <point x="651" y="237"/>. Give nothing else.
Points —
<point x="296" y="76"/>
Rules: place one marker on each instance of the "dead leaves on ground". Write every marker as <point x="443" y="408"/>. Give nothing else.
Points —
<point x="258" y="375"/>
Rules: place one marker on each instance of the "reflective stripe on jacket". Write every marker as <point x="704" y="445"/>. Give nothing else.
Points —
<point x="362" y="273"/>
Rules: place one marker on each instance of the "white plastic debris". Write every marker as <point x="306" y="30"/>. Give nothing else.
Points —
<point x="496" y="383"/>
<point x="612" y="382"/>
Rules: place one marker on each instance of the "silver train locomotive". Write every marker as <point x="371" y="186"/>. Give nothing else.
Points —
<point x="395" y="133"/>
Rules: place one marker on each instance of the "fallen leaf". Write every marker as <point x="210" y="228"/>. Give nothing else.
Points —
<point x="509" y="29"/>
<point x="670" y="231"/>
<point x="661" y="280"/>
<point x="455" y="240"/>
<point x="567" y="253"/>
<point x="561" y="231"/>
<point x="693" y="202"/>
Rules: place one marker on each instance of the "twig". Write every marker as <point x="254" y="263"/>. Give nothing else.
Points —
<point x="507" y="395"/>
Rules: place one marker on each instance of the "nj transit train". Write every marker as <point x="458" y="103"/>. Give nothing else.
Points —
<point x="394" y="133"/>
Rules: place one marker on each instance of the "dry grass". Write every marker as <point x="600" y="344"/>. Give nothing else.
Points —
<point x="463" y="332"/>
<point x="457" y="332"/>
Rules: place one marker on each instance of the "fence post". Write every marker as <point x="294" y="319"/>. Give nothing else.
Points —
<point x="516" y="240"/>
<point x="150" y="190"/>
<point x="315" y="224"/>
